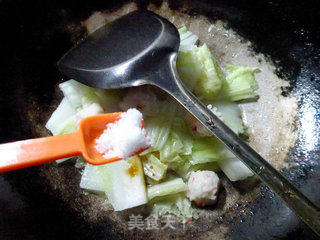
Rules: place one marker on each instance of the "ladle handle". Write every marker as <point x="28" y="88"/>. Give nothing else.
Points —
<point x="31" y="152"/>
<point x="297" y="201"/>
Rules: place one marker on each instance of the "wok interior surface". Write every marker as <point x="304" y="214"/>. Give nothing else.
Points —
<point x="46" y="202"/>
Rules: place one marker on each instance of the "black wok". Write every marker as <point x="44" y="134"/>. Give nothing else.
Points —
<point x="46" y="202"/>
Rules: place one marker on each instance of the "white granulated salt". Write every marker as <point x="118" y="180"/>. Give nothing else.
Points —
<point x="124" y="137"/>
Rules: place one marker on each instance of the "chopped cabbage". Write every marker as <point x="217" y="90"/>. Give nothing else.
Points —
<point x="188" y="68"/>
<point x="88" y="111"/>
<point x="231" y="115"/>
<point x="228" y="112"/>
<point x="183" y="167"/>
<point x="153" y="168"/>
<point x="79" y="101"/>
<point x="166" y="188"/>
<point x="210" y="166"/>
<point x="209" y="84"/>
<point x="62" y="119"/>
<point x="180" y="144"/>
<point x="180" y="165"/>
<point x="124" y="184"/>
<point x="240" y="83"/>
<point x="232" y="167"/>
<point x="187" y="40"/>
<point x="182" y="30"/>
<point x="205" y="150"/>
<point x="200" y="72"/>
<point x="91" y="179"/>
<point x="197" y="67"/>
<point x="65" y="119"/>
<point x="158" y="128"/>
<point x="176" y="204"/>
<point x="80" y="96"/>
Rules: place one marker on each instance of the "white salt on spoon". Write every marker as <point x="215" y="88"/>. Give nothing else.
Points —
<point x="124" y="137"/>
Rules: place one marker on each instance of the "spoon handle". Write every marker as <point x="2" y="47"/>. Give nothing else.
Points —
<point x="298" y="202"/>
<point x="31" y="152"/>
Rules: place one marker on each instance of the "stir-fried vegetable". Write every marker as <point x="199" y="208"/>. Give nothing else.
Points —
<point x="232" y="167"/>
<point x="200" y="72"/>
<point x="124" y="184"/>
<point x="240" y="83"/>
<point x="62" y="119"/>
<point x="91" y="179"/>
<point x="180" y="145"/>
<point x="175" y="204"/>
<point x="154" y="169"/>
<point x="166" y="188"/>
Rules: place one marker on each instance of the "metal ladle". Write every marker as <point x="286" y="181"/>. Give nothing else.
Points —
<point x="141" y="48"/>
